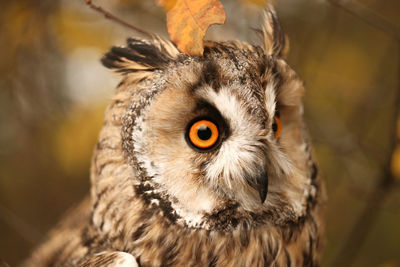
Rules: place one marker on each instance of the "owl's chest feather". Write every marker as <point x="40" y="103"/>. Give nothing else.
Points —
<point x="156" y="241"/>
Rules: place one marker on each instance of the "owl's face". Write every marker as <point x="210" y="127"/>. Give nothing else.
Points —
<point x="215" y="133"/>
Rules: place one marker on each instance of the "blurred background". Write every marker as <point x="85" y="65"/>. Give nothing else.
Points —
<point x="53" y="92"/>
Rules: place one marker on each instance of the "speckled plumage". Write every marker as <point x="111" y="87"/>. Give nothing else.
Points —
<point x="156" y="198"/>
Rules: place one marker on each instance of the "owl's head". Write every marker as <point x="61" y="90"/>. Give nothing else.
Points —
<point x="208" y="136"/>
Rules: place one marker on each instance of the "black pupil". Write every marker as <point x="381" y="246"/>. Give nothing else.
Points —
<point x="204" y="133"/>
<point x="275" y="127"/>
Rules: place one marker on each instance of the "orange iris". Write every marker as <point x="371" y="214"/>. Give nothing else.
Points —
<point x="278" y="127"/>
<point x="203" y="134"/>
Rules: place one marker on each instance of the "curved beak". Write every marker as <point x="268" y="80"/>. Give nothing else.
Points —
<point x="261" y="185"/>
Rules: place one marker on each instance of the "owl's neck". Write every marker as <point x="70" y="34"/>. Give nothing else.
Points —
<point x="136" y="225"/>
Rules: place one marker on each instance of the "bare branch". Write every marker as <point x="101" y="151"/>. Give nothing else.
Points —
<point x="368" y="16"/>
<point x="376" y="198"/>
<point x="110" y="16"/>
<point x="25" y="230"/>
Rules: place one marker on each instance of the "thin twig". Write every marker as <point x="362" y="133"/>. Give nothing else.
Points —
<point x="110" y="16"/>
<point x="376" y="198"/>
<point x="25" y="230"/>
<point x="368" y="16"/>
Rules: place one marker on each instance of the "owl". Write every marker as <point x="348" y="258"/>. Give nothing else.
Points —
<point x="201" y="161"/>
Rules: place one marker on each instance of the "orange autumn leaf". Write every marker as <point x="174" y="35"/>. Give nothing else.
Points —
<point x="188" y="21"/>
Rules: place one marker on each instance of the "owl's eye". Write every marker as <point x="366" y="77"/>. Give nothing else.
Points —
<point x="202" y="134"/>
<point x="277" y="127"/>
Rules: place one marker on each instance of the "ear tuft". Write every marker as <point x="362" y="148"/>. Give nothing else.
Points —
<point x="275" y="42"/>
<point x="141" y="55"/>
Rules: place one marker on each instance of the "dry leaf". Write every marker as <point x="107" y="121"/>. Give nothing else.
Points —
<point x="188" y="21"/>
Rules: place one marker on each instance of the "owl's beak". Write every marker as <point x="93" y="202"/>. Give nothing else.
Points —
<point x="262" y="186"/>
